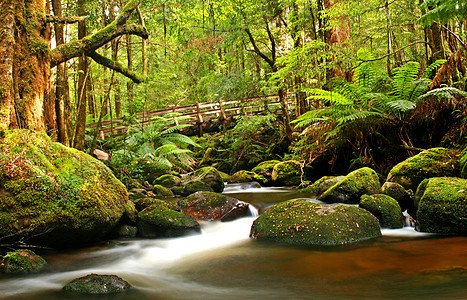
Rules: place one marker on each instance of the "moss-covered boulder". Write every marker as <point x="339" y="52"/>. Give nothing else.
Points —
<point x="159" y="221"/>
<point x="194" y="186"/>
<point x="243" y="176"/>
<point x="208" y="175"/>
<point x="53" y="195"/>
<point x="22" y="262"/>
<point x="265" y="167"/>
<point x="167" y="180"/>
<point x="443" y="206"/>
<point x="144" y="203"/>
<point x="301" y="222"/>
<point x="150" y="169"/>
<point x="385" y="209"/>
<point x="435" y="162"/>
<point x="360" y="182"/>
<point x="95" y="284"/>
<point x="209" y="206"/>
<point x="123" y="231"/>
<point x="400" y="194"/>
<point x="321" y="185"/>
<point x="287" y="173"/>
<point x="162" y="192"/>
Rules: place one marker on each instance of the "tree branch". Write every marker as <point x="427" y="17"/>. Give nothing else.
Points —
<point x="256" y="49"/>
<point x="64" y="20"/>
<point x="115" y="65"/>
<point x="96" y="40"/>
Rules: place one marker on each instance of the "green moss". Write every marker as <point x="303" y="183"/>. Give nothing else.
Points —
<point x="208" y="175"/>
<point x="143" y="203"/>
<point x="443" y="206"/>
<point x="435" y="162"/>
<point x="287" y="172"/>
<point x="22" y="261"/>
<point x="321" y="185"/>
<point x="168" y="180"/>
<point x="162" y="192"/>
<point x="385" y="209"/>
<point x="159" y="221"/>
<point x="300" y="222"/>
<point x="352" y="187"/>
<point x="265" y="166"/>
<point x="94" y="284"/>
<point x="194" y="186"/>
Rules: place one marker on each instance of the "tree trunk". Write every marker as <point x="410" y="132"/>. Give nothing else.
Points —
<point x="129" y="84"/>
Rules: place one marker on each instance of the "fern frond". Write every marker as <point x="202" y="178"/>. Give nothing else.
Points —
<point x="429" y="70"/>
<point x="403" y="76"/>
<point x="401" y="105"/>
<point x="357" y="115"/>
<point x="329" y="96"/>
<point x="178" y="138"/>
<point x="444" y="93"/>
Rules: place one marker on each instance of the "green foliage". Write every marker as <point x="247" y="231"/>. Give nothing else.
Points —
<point x="443" y="10"/>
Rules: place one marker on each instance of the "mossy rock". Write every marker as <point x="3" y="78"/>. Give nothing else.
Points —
<point x="435" y="162"/>
<point x="208" y="175"/>
<point x="360" y="182"/>
<point x="144" y="203"/>
<point x="194" y="186"/>
<point x="162" y="192"/>
<point x="22" y="262"/>
<point x="265" y="167"/>
<point x="301" y="222"/>
<point x="55" y="196"/>
<point x="400" y="194"/>
<point x="287" y="173"/>
<point x="123" y="231"/>
<point x="321" y="185"/>
<point x="168" y="181"/>
<point x="95" y="284"/>
<point x="210" y="206"/>
<point x="150" y="169"/>
<point x="159" y="221"/>
<point x="225" y="176"/>
<point x="243" y="176"/>
<point x="443" y="206"/>
<point x="385" y="209"/>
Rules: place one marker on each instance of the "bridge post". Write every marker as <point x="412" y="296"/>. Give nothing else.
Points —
<point x="199" y="119"/>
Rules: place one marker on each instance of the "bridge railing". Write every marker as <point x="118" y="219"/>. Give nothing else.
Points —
<point x="200" y="113"/>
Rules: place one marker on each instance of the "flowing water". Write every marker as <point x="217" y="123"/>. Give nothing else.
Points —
<point x="223" y="263"/>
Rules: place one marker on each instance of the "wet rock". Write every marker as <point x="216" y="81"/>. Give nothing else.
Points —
<point x="194" y="186"/>
<point x="435" y="162"/>
<point x="321" y="185"/>
<point x="144" y="203"/>
<point x="442" y="207"/>
<point x="360" y="182"/>
<point x="159" y="221"/>
<point x="400" y="194"/>
<point x="287" y="173"/>
<point x="53" y="195"/>
<point x="123" y="231"/>
<point x="150" y="169"/>
<point x="208" y="175"/>
<point x="95" y="284"/>
<point x="385" y="209"/>
<point x="301" y="222"/>
<point x="240" y="210"/>
<point x="168" y="181"/>
<point x="209" y="206"/>
<point x="246" y="176"/>
<point x="22" y="262"/>
<point x="162" y="192"/>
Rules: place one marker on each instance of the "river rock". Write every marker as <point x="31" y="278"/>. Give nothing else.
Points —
<point x="194" y="186"/>
<point x="243" y="176"/>
<point x="168" y="181"/>
<point x="209" y="206"/>
<point x="435" y="162"/>
<point x="360" y="182"/>
<point x="265" y="169"/>
<point x="321" y="185"/>
<point x="53" y="195"/>
<point x="160" y="191"/>
<point x="385" y="209"/>
<point x="150" y="169"/>
<point x="287" y="173"/>
<point x="159" y="221"/>
<point x="21" y="262"/>
<point x="143" y="203"/>
<point x="301" y="222"/>
<point x="208" y="175"/>
<point x="95" y="284"/>
<point x="442" y="207"/>
<point x="401" y="195"/>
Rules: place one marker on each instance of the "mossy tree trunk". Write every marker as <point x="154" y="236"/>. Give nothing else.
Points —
<point x="26" y="58"/>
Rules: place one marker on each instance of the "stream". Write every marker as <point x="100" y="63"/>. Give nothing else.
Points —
<point x="223" y="263"/>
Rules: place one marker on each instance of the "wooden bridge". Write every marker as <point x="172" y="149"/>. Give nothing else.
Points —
<point x="201" y="115"/>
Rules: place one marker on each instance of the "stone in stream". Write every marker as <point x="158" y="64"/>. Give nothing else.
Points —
<point x="385" y="209"/>
<point x="209" y="175"/>
<point x="360" y="182"/>
<point x="55" y="196"/>
<point x="287" y="173"/>
<point x="210" y="206"/>
<point x="442" y="206"/>
<point x="321" y="185"/>
<point x="94" y="284"/>
<point x="21" y="262"/>
<point x="302" y="222"/>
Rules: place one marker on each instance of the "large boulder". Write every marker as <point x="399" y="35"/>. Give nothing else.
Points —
<point x="442" y="207"/>
<point x="168" y="180"/>
<point x="53" y="195"/>
<point x="265" y="168"/>
<point x="385" y="209"/>
<point x="435" y="162"/>
<point x="150" y="169"/>
<point x="95" y="284"/>
<point x="194" y="186"/>
<point x="22" y="262"/>
<point x="321" y="185"/>
<point x="287" y="172"/>
<point x="301" y="222"/>
<point x="209" y="206"/>
<point x="360" y="182"/>
<point x="400" y="194"/>
<point x="243" y="176"/>
<point x="208" y="175"/>
<point x="158" y="220"/>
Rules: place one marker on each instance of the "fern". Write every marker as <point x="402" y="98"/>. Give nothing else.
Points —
<point x="429" y="70"/>
<point x="443" y="10"/>
<point x="329" y="96"/>
<point x="444" y="93"/>
<point x="403" y="77"/>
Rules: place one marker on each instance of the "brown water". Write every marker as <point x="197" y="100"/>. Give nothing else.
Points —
<point x="223" y="263"/>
